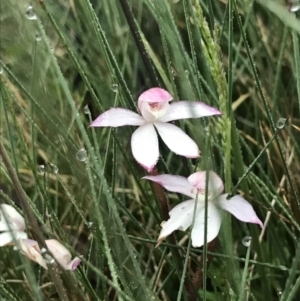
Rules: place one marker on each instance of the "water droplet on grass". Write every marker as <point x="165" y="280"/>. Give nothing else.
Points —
<point x="1" y="69"/>
<point x="293" y="5"/>
<point x="246" y="241"/>
<point x="115" y="87"/>
<point x="187" y="72"/>
<point x="54" y="168"/>
<point x="280" y="123"/>
<point x="38" y="38"/>
<point x="86" y="110"/>
<point x="81" y="155"/>
<point x="41" y="169"/>
<point x="49" y="259"/>
<point x="30" y="13"/>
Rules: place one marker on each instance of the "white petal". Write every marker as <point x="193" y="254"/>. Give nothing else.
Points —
<point x="8" y="237"/>
<point x="215" y="184"/>
<point x="56" y="248"/>
<point x="144" y="146"/>
<point x="62" y="254"/>
<point x="181" y="217"/>
<point x="173" y="183"/>
<point x="240" y="208"/>
<point x="177" y="141"/>
<point x="188" y="109"/>
<point x="3" y="225"/>
<point x="14" y="218"/>
<point x="214" y="220"/>
<point x="118" y="117"/>
<point x="5" y="238"/>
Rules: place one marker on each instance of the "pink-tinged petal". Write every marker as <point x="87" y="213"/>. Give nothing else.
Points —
<point x="177" y="141"/>
<point x="215" y="184"/>
<point x="116" y="117"/>
<point x="188" y="109"/>
<point x="31" y="250"/>
<point x="8" y="237"/>
<point x="60" y="253"/>
<point x="154" y="95"/>
<point x="240" y="208"/>
<point x="214" y="220"/>
<point x="144" y="146"/>
<point x="12" y="216"/>
<point x="181" y="217"/>
<point x="173" y="183"/>
<point x="74" y="263"/>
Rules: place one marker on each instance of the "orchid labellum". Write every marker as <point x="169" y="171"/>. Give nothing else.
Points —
<point x="156" y="112"/>
<point x="181" y="216"/>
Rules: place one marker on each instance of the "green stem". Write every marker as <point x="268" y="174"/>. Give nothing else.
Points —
<point x="127" y="10"/>
<point x="265" y="104"/>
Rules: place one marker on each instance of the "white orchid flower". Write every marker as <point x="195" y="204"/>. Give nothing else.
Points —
<point x="12" y="225"/>
<point x="156" y="112"/>
<point x="61" y="254"/>
<point x="181" y="216"/>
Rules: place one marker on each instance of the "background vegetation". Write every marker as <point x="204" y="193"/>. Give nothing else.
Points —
<point x="64" y="62"/>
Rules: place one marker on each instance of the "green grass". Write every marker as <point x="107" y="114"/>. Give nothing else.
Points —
<point x="79" y="58"/>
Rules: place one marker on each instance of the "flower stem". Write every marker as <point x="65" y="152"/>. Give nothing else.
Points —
<point x="198" y="276"/>
<point x="161" y="196"/>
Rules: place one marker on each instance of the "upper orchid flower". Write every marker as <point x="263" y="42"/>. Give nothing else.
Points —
<point x="31" y="250"/>
<point x="155" y="112"/>
<point x="181" y="216"/>
<point x="12" y="225"/>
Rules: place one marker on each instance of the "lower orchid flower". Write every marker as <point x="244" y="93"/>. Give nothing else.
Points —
<point x="12" y="225"/>
<point x="156" y="112"/>
<point x="181" y="216"/>
<point x="61" y="254"/>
